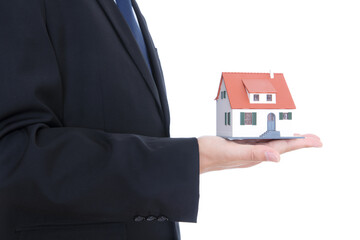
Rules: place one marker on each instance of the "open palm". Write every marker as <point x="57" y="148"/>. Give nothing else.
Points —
<point x="217" y="153"/>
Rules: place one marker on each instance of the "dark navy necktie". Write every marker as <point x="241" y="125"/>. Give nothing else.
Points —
<point x="126" y="9"/>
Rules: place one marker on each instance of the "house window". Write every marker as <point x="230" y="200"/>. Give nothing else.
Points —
<point x="224" y="94"/>
<point x="227" y="118"/>
<point x="285" y="116"/>
<point x="248" y="118"/>
<point x="269" y="97"/>
<point x="256" y="97"/>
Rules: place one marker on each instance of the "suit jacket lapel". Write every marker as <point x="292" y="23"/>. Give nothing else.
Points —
<point x="156" y="66"/>
<point x="126" y="37"/>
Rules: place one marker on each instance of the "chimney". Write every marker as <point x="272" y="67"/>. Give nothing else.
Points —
<point x="271" y="74"/>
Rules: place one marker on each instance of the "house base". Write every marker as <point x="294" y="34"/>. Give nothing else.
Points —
<point x="260" y="138"/>
<point x="268" y="135"/>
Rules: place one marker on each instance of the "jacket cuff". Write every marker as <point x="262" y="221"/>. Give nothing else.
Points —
<point x="167" y="180"/>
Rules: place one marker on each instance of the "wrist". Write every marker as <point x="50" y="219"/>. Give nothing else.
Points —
<point x="204" y="159"/>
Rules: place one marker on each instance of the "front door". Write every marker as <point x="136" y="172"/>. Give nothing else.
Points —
<point x="271" y="122"/>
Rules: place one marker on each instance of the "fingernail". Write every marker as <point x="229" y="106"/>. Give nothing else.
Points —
<point x="271" y="157"/>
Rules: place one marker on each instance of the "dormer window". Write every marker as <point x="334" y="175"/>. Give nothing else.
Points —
<point x="260" y="91"/>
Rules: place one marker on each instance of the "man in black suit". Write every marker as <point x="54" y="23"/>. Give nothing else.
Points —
<point x="85" y="151"/>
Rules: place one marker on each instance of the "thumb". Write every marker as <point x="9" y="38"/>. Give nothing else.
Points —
<point x="260" y="153"/>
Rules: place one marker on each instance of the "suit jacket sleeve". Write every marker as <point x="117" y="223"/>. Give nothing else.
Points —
<point x="53" y="173"/>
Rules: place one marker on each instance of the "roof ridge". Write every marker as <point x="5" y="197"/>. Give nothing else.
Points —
<point x="247" y="72"/>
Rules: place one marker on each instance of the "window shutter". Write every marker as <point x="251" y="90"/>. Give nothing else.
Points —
<point x="254" y="118"/>
<point x="290" y="116"/>
<point x="281" y="116"/>
<point x="229" y="118"/>
<point x="224" y="94"/>
<point x="242" y="118"/>
<point x="225" y="118"/>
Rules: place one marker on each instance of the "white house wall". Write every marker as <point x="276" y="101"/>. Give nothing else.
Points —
<point x="284" y="126"/>
<point x="222" y="106"/>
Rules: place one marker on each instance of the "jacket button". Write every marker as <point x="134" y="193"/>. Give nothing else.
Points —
<point x="139" y="219"/>
<point x="150" y="218"/>
<point x="162" y="219"/>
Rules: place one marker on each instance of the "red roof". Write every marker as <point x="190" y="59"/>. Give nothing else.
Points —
<point x="258" y="86"/>
<point x="236" y="84"/>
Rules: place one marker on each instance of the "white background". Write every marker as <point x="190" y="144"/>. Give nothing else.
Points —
<point x="311" y="193"/>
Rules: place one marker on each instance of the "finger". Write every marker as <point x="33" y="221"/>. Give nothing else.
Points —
<point x="243" y="165"/>
<point x="248" y="165"/>
<point x="254" y="154"/>
<point x="283" y="146"/>
<point x="309" y="135"/>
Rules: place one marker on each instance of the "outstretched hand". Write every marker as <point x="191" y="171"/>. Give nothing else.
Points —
<point x="217" y="153"/>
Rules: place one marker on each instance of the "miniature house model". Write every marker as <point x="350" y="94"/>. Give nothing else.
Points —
<point x="254" y="106"/>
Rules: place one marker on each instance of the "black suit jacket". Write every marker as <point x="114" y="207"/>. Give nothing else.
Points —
<point x="85" y="151"/>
